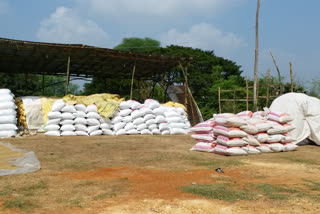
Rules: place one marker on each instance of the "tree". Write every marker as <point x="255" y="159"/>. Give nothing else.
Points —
<point x="138" y="45"/>
<point x="315" y="88"/>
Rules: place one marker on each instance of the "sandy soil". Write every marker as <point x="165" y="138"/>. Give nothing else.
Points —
<point x="144" y="174"/>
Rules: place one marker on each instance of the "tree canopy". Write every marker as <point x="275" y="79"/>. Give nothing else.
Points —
<point x="135" y="44"/>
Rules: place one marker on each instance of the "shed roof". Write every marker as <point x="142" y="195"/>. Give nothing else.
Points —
<point x="51" y="59"/>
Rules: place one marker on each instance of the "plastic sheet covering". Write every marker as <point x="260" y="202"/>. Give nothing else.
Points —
<point x="107" y="104"/>
<point x="33" y="112"/>
<point x="306" y="113"/>
<point x="17" y="161"/>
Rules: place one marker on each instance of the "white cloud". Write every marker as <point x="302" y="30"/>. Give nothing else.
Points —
<point x="155" y="7"/>
<point x="206" y="37"/>
<point x="66" y="26"/>
<point x="4" y="7"/>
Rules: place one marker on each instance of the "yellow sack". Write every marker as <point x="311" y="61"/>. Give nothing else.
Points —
<point x="22" y="121"/>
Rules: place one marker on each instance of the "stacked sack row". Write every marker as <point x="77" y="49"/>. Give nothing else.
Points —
<point x="131" y="118"/>
<point x="248" y="133"/>
<point x="149" y="118"/>
<point x="72" y="120"/>
<point x="8" y="118"/>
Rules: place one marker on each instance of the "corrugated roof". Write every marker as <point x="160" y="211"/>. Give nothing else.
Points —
<point x="51" y="59"/>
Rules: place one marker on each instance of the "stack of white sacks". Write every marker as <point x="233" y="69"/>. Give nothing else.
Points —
<point x="8" y="114"/>
<point x="131" y="118"/>
<point x="246" y="133"/>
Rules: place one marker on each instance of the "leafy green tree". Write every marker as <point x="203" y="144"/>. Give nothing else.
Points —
<point x="138" y="45"/>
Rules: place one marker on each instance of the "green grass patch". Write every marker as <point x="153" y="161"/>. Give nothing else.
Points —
<point x="76" y="202"/>
<point x="105" y="195"/>
<point x="219" y="191"/>
<point x="213" y="163"/>
<point x="7" y="190"/>
<point x="19" y="203"/>
<point x="315" y="186"/>
<point x="276" y="192"/>
<point x="302" y="161"/>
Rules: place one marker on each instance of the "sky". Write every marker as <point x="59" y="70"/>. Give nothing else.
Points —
<point x="287" y="28"/>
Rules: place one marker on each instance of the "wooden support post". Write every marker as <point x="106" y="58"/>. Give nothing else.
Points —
<point x="267" y="98"/>
<point x="247" y="93"/>
<point x="279" y="76"/>
<point x="219" y="98"/>
<point x="234" y="101"/>
<point x="133" y="71"/>
<point x="184" y="72"/>
<point x="257" y="95"/>
<point x="68" y="76"/>
<point x="256" y="61"/>
<point x="291" y="76"/>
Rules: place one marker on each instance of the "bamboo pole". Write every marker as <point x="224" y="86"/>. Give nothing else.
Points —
<point x="291" y="76"/>
<point x="133" y="71"/>
<point x="257" y="95"/>
<point x="268" y="77"/>
<point x="279" y="76"/>
<point x="256" y="60"/>
<point x="219" y="98"/>
<point x="68" y="75"/>
<point x="247" y="93"/>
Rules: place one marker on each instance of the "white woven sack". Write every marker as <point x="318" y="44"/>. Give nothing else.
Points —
<point x="69" y="108"/>
<point x="125" y="112"/>
<point x="250" y="150"/>
<point x="158" y="111"/>
<point x="5" y="112"/>
<point x="5" y="91"/>
<point x="93" y="128"/>
<point x="233" y="151"/>
<point x="177" y="125"/>
<point x="178" y="131"/>
<point x="236" y="121"/>
<point x="92" y="108"/>
<point x="150" y="103"/>
<point x="229" y="132"/>
<point x="160" y="119"/>
<point x="174" y="120"/>
<point x="9" y="133"/>
<point x="121" y="132"/>
<point x="287" y="138"/>
<point x="81" y="127"/>
<point x="7" y="127"/>
<point x="289" y="147"/>
<point x="138" y="121"/>
<point x="124" y="105"/>
<point x="68" y="133"/>
<point x="118" y="126"/>
<point x="52" y="127"/>
<point x="80" y="120"/>
<point x="276" y="147"/>
<point x="150" y="122"/>
<point x="67" y="116"/>
<point x="58" y="106"/>
<point x="156" y="132"/>
<point x="96" y="133"/>
<point x="81" y="107"/>
<point x="6" y="98"/>
<point x="107" y="132"/>
<point x="66" y="122"/>
<point x="146" y="111"/>
<point x="203" y="147"/>
<point x="81" y="133"/>
<point x="80" y="114"/>
<point x="171" y="114"/>
<point x="105" y="120"/>
<point x="230" y="142"/>
<point x="127" y="119"/>
<point x="67" y="128"/>
<point x="116" y="119"/>
<point x="280" y="117"/>
<point x="93" y="122"/>
<point x="221" y="119"/>
<point x="105" y="126"/>
<point x="275" y="138"/>
<point x="53" y="121"/>
<point x="136" y="114"/>
<point x="142" y="127"/>
<point x="250" y="129"/>
<point x="134" y="104"/>
<point x="10" y="119"/>
<point x="262" y="137"/>
<point x="203" y="137"/>
<point x="129" y="126"/>
<point x="164" y="126"/>
<point x="133" y="132"/>
<point x="152" y="127"/>
<point x="7" y="105"/>
<point x="93" y="115"/>
<point x="148" y="117"/>
<point x="52" y="133"/>
<point x="165" y="132"/>
<point x="146" y="132"/>
<point x="251" y="140"/>
<point x="264" y="148"/>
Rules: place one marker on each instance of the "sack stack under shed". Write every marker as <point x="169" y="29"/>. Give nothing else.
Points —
<point x="8" y="119"/>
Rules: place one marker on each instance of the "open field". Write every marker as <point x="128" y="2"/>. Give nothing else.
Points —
<point x="158" y="174"/>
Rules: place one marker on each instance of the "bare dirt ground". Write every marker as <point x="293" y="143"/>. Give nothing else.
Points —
<point x="146" y="174"/>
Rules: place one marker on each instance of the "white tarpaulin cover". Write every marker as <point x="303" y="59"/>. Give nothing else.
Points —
<point x="33" y="111"/>
<point x="306" y="113"/>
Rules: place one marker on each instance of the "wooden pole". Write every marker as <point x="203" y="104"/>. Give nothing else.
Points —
<point x="256" y="60"/>
<point x="133" y="71"/>
<point x="291" y="76"/>
<point x="68" y="75"/>
<point x="219" y="98"/>
<point x="279" y="76"/>
<point x="184" y="72"/>
<point x="247" y="93"/>
<point x="268" y="77"/>
<point x="257" y="95"/>
<point x="234" y="101"/>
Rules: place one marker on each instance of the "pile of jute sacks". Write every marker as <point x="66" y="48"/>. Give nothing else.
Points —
<point x="245" y="133"/>
<point x="130" y="118"/>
